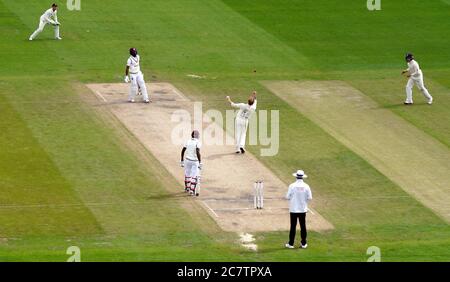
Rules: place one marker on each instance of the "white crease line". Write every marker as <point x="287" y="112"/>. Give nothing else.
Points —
<point x="100" y="95"/>
<point x="206" y="205"/>
<point x="179" y="94"/>
<point x="248" y="199"/>
<point x="247" y="209"/>
<point x="234" y="209"/>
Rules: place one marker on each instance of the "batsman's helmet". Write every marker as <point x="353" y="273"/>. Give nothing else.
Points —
<point x="133" y="52"/>
<point x="409" y="57"/>
<point x="195" y="134"/>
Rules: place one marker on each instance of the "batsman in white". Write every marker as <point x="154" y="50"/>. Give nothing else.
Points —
<point x="49" y="17"/>
<point x="241" y="121"/>
<point x="192" y="163"/>
<point x="415" y="76"/>
<point x="133" y="73"/>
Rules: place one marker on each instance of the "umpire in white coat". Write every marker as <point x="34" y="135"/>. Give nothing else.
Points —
<point x="299" y="194"/>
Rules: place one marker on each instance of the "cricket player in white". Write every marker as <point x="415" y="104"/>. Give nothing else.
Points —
<point x="241" y="122"/>
<point x="133" y="73"/>
<point x="415" y="76"/>
<point x="49" y="17"/>
<point x="192" y="163"/>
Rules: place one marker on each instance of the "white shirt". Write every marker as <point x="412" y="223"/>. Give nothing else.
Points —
<point x="414" y="69"/>
<point x="245" y="110"/>
<point x="299" y="194"/>
<point x="191" y="149"/>
<point x="133" y="63"/>
<point x="48" y="15"/>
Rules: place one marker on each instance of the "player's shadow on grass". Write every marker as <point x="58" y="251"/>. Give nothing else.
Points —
<point x="219" y="156"/>
<point x="110" y="103"/>
<point x="395" y="106"/>
<point x="43" y="40"/>
<point x="167" y="196"/>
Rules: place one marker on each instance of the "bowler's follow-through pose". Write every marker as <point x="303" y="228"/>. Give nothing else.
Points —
<point x="192" y="163"/>
<point x="49" y="17"/>
<point x="241" y="122"/>
<point x="415" y="76"/>
<point x="133" y="73"/>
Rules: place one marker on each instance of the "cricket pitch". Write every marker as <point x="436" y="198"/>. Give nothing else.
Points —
<point x="227" y="179"/>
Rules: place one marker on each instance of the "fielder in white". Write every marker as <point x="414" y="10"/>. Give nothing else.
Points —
<point x="133" y="73"/>
<point x="49" y="17"/>
<point x="415" y="76"/>
<point x="192" y="163"/>
<point x="241" y="121"/>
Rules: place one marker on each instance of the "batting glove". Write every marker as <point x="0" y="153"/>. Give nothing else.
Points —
<point x="200" y="165"/>
<point x="127" y="79"/>
<point x="182" y="163"/>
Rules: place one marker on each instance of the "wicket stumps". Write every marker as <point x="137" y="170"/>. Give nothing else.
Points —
<point x="259" y="194"/>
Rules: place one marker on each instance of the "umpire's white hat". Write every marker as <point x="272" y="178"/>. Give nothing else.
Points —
<point x="300" y="174"/>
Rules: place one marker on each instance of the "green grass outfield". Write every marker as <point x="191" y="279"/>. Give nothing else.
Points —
<point x="66" y="177"/>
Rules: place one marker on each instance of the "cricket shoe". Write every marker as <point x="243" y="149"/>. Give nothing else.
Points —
<point x="289" y="246"/>
<point x="147" y="101"/>
<point x="238" y="152"/>
<point x="242" y="150"/>
<point x="303" y="246"/>
<point x="131" y="101"/>
<point x="58" y="38"/>
<point x="430" y="101"/>
<point x="408" y="103"/>
<point x="31" y="38"/>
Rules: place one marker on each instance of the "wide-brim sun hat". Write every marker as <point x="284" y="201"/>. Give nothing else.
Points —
<point x="300" y="174"/>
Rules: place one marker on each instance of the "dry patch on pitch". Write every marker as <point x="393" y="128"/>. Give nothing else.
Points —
<point x="415" y="161"/>
<point x="227" y="178"/>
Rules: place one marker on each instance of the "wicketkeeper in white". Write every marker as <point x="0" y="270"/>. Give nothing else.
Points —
<point x="49" y="17"/>
<point x="133" y="73"/>
<point x="415" y="76"/>
<point x="192" y="163"/>
<point x="241" y="121"/>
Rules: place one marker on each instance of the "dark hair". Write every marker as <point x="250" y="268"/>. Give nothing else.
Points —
<point x="409" y="57"/>
<point x="54" y="5"/>
<point x="251" y="101"/>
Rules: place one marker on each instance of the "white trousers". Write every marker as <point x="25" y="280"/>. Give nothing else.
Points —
<point x="419" y="83"/>
<point x="191" y="168"/>
<point x="41" y="27"/>
<point x="240" y="132"/>
<point x="137" y="81"/>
